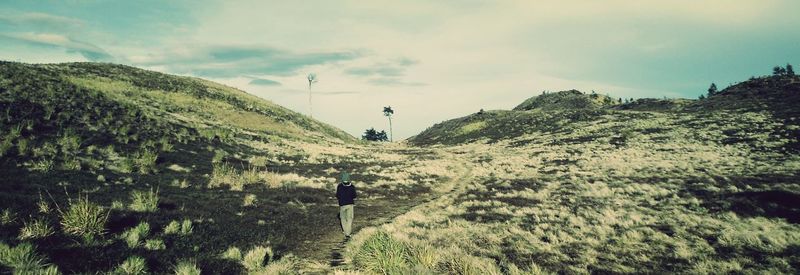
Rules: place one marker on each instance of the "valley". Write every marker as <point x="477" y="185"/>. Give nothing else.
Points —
<point x="113" y="169"/>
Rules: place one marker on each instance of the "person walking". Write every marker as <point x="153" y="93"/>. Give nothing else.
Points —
<point x="346" y="194"/>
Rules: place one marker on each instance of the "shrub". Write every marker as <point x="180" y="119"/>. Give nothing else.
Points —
<point x="233" y="253"/>
<point x="84" y="218"/>
<point x="185" y="267"/>
<point x="134" y="236"/>
<point x="36" y="229"/>
<point x="255" y="259"/>
<point x="381" y="253"/>
<point x="134" y="265"/>
<point x="144" y="201"/>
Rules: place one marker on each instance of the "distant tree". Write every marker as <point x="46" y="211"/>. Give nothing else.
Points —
<point x="312" y="78"/>
<point x="778" y="70"/>
<point x="372" y="135"/>
<point x="480" y="112"/>
<point x="388" y="112"/>
<point x="619" y="100"/>
<point x="701" y="97"/>
<point x="712" y="90"/>
<point x="789" y="70"/>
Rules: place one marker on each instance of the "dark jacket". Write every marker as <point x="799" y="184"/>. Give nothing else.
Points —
<point x="346" y="194"/>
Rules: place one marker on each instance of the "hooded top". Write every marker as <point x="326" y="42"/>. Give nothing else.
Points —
<point x="346" y="191"/>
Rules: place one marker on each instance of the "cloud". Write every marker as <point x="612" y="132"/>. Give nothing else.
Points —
<point x="232" y="61"/>
<point x="41" y="20"/>
<point x="393" y="81"/>
<point x="386" y="73"/>
<point x="319" y="93"/>
<point x="87" y="50"/>
<point x="264" y="82"/>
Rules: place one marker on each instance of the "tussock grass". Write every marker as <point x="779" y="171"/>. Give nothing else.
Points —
<point x="284" y="266"/>
<point x="84" y="219"/>
<point x="173" y="227"/>
<point x="8" y="216"/>
<point x="381" y="253"/>
<point x="225" y="174"/>
<point x="134" y="237"/>
<point x="233" y="253"/>
<point x="184" y="227"/>
<point x="249" y="200"/>
<point x="23" y="259"/>
<point x="186" y="267"/>
<point x="134" y="265"/>
<point x="144" y="201"/>
<point x="145" y="161"/>
<point x="154" y="244"/>
<point x="256" y="258"/>
<point x="36" y="229"/>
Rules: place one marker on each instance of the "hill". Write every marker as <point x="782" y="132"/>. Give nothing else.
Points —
<point x="559" y="112"/>
<point x="572" y="99"/>
<point x="107" y="167"/>
<point x="651" y="186"/>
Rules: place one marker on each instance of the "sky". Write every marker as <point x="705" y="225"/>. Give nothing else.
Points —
<point x="429" y="60"/>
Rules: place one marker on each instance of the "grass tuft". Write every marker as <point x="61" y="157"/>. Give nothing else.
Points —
<point x="186" y="267"/>
<point x="134" y="265"/>
<point x="84" y="219"/>
<point x="255" y="259"/>
<point x="233" y="253"/>
<point x="36" y="229"/>
<point x="23" y="259"/>
<point x="142" y="201"/>
<point x="134" y="236"/>
<point x="381" y="253"/>
<point x="155" y="244"/>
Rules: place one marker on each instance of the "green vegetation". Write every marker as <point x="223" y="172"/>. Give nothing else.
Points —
<point x="186" y="267"/>
<point x="373" y="135"/>
<point x="134" y="265"/>
<point x="181" y="168"/>
<point x="36" y="229"/>
<point x="84" y="219"/>
<point x="135" y="236"/>
<point x="23" y="259"/>
<point x="144" y="201"/>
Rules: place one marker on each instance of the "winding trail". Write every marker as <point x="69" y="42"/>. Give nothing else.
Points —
<point x="326" y="254"/>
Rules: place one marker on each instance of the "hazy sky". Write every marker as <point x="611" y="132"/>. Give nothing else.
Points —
<point x="429" y="60"/>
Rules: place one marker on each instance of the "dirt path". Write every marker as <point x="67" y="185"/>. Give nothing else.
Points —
<point x="325" y="254"/>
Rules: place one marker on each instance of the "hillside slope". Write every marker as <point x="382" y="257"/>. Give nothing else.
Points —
<point x="101" y="165"/>
<point x="654" y="186"/>
<point x="559" y="112"/>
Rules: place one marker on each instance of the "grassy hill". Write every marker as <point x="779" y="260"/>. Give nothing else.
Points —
<point x="650" y="186"/>
<point x="108" y="168"/>
<point x="557" y="112"/>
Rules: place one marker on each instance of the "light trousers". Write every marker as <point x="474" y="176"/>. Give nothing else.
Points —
<point x="346" y="216"/>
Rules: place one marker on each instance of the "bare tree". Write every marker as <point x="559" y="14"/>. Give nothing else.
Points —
<point x="388" y="112"/>
<point x="312" y="78"/>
